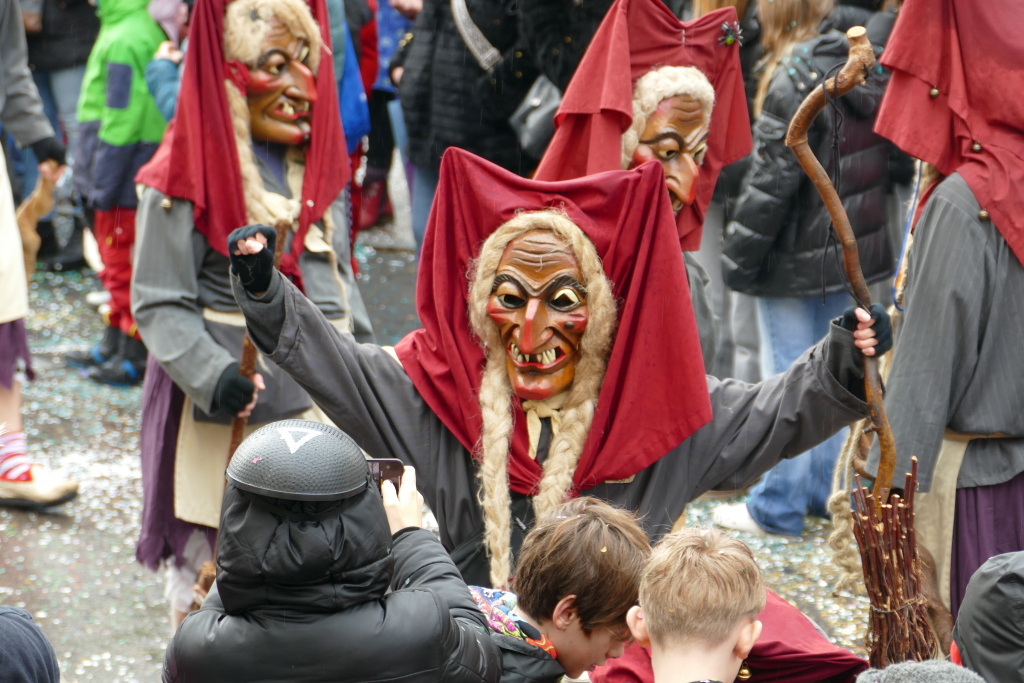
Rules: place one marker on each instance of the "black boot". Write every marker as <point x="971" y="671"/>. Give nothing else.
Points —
<point x="67" y="257"/>
<point x="127" y="368"/>
<point x="98" y="354"/>
<point x="49" y="245"/>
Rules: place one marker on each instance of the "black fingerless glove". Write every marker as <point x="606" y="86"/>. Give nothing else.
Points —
<point x="882" y="326"/>
<point x="49" y="149"/>
<point x="233" y="392"/>
<point x="254" y="270"/>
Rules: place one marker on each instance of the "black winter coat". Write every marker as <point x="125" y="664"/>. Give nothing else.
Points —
<point x="69" y="30"/>
<point x="557" y="33"/>
<point x="449" y="101"/>
<point x="525" y="663"/>
<point x="301" y="598"/>
<point x="776" y="244"/>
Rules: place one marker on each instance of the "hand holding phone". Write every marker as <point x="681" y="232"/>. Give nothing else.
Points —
<point x="404" y="507"/>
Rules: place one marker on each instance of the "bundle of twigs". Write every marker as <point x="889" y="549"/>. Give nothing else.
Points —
<point x="899" y="626"/>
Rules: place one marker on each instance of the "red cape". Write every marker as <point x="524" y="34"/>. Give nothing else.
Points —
<point x="197" y="159"/>
<point x="790" y="649"/>
<point x="654" y="393"/>
<point x="635" y="37"/>
<point x="973" y="53"/>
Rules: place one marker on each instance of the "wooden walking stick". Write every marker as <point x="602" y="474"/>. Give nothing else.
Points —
<point x="247" y="364"/>
<point x="247" y="368"/>
<point x="899" y="628"/>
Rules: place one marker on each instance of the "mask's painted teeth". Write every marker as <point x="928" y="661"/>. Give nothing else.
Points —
<point x="288" y="109"/>
<point x="544" y="358"/>
<point x="304" y="106"/>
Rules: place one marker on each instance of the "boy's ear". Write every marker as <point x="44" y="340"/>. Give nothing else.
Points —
<point x="637" y="626"/>
<point x="565" y="612"/>
<point x="748" y="635"/>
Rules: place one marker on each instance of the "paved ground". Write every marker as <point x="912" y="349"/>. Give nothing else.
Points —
<point x="74" y="568"/>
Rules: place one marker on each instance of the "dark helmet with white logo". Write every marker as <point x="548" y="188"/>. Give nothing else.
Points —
<point x="299" y="460"/>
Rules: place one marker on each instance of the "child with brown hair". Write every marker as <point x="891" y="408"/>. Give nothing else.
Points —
<point x="578" y="575"/>
<point x="699" y="599"/>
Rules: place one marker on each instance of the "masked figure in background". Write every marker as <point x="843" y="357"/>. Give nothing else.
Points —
<point x="680" y="102"/>
<point x="568" y="362"/>
<point x="256" y="137"/>
<point x="665" y="79"/>
<point x="955" y="394"/>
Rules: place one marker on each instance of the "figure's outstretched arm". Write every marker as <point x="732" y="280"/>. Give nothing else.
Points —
<point x="757" y="425"/>
<point x="361" y="387"/>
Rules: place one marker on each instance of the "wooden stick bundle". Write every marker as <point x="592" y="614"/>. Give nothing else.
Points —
<point x="884" y="528"/>
<point x="899" y="627"/>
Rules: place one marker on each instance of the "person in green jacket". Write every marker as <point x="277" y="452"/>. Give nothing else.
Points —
<point x="120" y="128"/>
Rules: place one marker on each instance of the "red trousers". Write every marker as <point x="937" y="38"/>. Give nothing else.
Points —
<point x="115" y="235"/>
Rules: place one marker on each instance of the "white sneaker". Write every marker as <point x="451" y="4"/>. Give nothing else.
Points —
<point x="737" y="518"/>
<point x="96" y="299"/>
<point x="44" y="489"/>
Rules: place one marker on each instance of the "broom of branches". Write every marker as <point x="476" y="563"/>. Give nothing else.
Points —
<point x="884" y="528"/>
<point x="898" y="627"/>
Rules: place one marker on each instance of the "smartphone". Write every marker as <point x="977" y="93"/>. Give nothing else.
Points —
<point x="383" y="469"/>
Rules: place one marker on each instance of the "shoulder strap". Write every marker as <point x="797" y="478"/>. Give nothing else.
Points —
<point x="486" y="55"/>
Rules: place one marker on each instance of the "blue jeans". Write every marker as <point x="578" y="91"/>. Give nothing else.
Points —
<point x="59" y="91"/>
<point x="798" y="486"/>
<point x="423" y="188"/>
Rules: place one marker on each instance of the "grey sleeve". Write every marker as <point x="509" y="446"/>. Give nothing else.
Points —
<point x="939" y="335"/>
<point x="21" y="110"/>
<point x="360" y="387"/>
<point x="756" y="425"/>
<point x="703" y="311"/>
<point x="165" y="298"/>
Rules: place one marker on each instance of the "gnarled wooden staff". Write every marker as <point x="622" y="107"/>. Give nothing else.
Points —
<point x="899" y="628"/>
<point x="247" y="364"/>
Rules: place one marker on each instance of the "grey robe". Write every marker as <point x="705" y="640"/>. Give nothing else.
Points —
<point x="959" y="360"/>
<point x="177" y="274"/>
<point x="368" y="394"/>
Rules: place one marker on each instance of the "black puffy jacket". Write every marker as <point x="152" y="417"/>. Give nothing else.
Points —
<point x="776" y="243"/>
<point x="449" y="101"/>
<point x="300" y="597"/>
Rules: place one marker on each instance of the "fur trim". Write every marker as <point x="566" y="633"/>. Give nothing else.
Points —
<point x="246" y="23"/>
<point x="496" y="391"/>
<point x="656" y="86"/>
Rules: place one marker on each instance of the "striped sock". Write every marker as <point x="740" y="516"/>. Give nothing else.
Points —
<point x="14" y="463"/>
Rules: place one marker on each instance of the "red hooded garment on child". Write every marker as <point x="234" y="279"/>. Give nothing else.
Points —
<point x="790" y="650"/>
<point x="654" y="393"/>
<point x="197" y="160"/>
<point x="637" y="36"/>
<point x="972" y="54"/>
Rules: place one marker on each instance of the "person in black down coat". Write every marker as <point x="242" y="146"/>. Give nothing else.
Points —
<point x="304" y="559"/>
<point x="776" y="246"/>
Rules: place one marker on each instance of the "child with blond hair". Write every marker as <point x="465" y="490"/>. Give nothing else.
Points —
<point x="699" y="599"/>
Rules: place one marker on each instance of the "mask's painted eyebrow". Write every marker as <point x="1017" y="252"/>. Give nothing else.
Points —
<point x="566" y="281"/>
<point x="700" y="141"/>
<point x="551" y="287"/>
<point x="511" y="279"/>
<point x="270" y="53"/>
<point x="664" y="135"/>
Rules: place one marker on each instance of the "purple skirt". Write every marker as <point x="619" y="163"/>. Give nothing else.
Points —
<point x="988" y="521"/>
<point x="163" y="535"/>
<point x="14" y="348"/>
